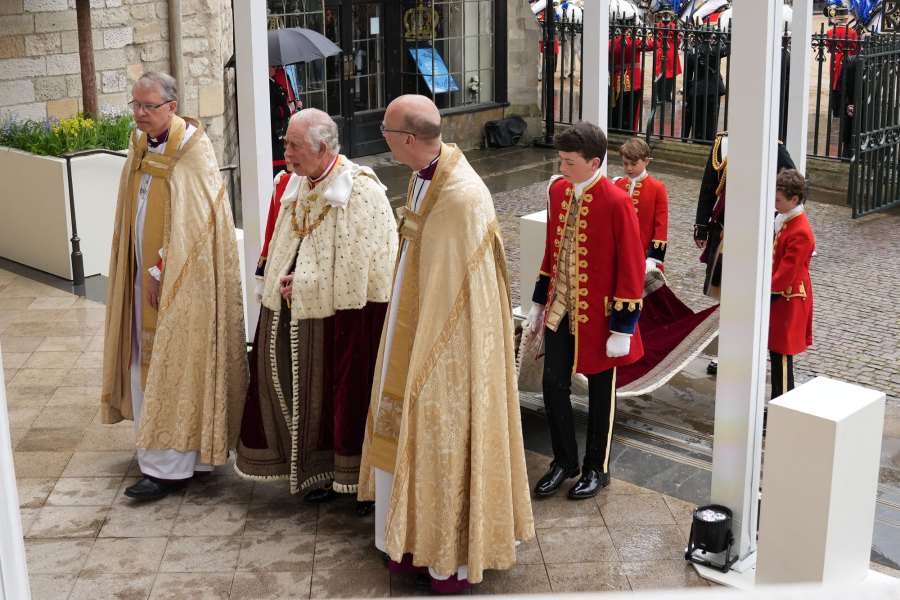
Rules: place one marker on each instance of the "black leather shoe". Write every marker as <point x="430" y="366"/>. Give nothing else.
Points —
<point x="589" y="485"/>
<point x="364" y="507"/>
<point x="552" y="480"/>
<point x="319" y="495"/>
<point x="152" y="489"/>
<point x="713" y="367"/>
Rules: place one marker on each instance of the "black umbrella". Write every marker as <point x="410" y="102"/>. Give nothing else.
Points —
<point x="294" y="45"/>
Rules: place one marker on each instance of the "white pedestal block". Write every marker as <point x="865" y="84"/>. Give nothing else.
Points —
<point x="820" y="480"/>
<point x="532" y="232"/>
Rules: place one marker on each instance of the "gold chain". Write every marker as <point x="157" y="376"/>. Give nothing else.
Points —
<point x="302" y="232"/>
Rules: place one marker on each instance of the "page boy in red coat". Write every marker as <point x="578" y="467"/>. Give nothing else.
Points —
<point x="651" y="204"/>
<point x="791" y="314"/>
<point x="587" y="300"/>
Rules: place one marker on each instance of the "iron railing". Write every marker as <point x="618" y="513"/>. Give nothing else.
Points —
<point x="671" y="81"/>
<point x="873" y="118"/>
<point x="77" y="257"/>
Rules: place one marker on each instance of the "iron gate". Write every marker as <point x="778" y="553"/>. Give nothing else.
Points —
<point x="874" y="82"/>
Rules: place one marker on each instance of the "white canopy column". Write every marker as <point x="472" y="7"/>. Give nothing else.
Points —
<point x="747" y="272"/>
<point x="595" y="64"/>
<point x="798" y="95"/>
<point x="252" y="56"/>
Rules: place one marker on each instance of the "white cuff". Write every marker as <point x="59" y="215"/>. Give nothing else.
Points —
<point x="155" y="273"/>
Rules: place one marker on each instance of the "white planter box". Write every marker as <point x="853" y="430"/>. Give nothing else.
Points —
<point x="35" y="223"/>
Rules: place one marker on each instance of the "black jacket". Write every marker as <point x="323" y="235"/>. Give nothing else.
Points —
<point x="702" y="73"/>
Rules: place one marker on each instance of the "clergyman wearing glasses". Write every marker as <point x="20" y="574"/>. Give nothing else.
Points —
<point x="174" y="359"/>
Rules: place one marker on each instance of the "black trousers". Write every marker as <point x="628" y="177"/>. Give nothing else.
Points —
<point x="665" y="89"/>
<point x="782" y="373"/>
<point x="624" y="114"/>
<point x="701" y="117"/>
<point x="559" y="346"/>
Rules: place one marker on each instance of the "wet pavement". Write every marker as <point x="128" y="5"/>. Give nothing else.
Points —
<point x="84" y="539"/>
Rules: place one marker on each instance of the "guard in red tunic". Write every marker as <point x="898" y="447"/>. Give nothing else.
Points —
<point x="587" y="300"/>
<point x="625" y="74"/>
<point x="841" y="43"/>
<point x="667" y="57"/>
<point x="651" y="204"/>
<point x="791" y="314"/>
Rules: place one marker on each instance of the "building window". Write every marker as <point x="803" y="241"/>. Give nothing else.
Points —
<point x="312" y="83"/>
<point x="448" y="50"/>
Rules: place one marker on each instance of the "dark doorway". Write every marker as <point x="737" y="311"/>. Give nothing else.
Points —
<point x="357" y="81"/>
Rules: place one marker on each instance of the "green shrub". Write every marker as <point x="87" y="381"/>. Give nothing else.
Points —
<point x="57" y="137"/>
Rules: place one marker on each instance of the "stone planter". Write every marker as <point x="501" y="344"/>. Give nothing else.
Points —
<point x="36" y="227"/>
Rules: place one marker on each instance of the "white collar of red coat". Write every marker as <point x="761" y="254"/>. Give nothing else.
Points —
<point x="782" y="218"/>
<point x="587" y="183"/>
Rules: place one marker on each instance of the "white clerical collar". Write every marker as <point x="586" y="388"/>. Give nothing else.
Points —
<point x="580" y="187"/>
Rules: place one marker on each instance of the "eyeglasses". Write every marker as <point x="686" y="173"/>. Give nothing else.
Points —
<point x="385" y="130"/>
<point x="147" y="107"/>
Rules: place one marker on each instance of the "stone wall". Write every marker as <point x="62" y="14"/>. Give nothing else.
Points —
<point x="40" y="72"/>
<point x="523" y="58"/>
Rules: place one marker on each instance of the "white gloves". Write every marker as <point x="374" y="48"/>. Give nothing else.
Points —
<point x="618" y="344"/>
<point x="258" y="290"/>
<point x="534" y="324"/>
<point x="651" y="264"/>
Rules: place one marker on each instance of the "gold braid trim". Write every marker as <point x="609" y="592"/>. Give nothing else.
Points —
<point x="632" y="304"/>
<point x="719" y="165"/>
<point x="724" y="174"/>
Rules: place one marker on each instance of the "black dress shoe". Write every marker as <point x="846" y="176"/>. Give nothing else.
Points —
<point x="319" y="495"/>
<point x="152" y="489"/>
<point x="364" y="507"/>
<point x="552" y="480"/>
<point x="589" y="485"/>
<point x="713" y="367"/>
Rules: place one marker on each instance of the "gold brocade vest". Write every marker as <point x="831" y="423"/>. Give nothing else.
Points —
<point x="158" y="166"/>
<point x="564" y="300"/>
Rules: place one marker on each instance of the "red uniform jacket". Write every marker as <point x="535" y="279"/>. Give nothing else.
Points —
<point x="652" y="207"/>
<point x="625" y="74"/>
<point x="841" y="39"/>
<point x="790" y="318"/>
<point x="667" y="44"/>
<point x="610" y="271"/>
<point x="281" y="182"/>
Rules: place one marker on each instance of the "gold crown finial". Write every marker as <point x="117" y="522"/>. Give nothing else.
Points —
<point x="419" y="22"/>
